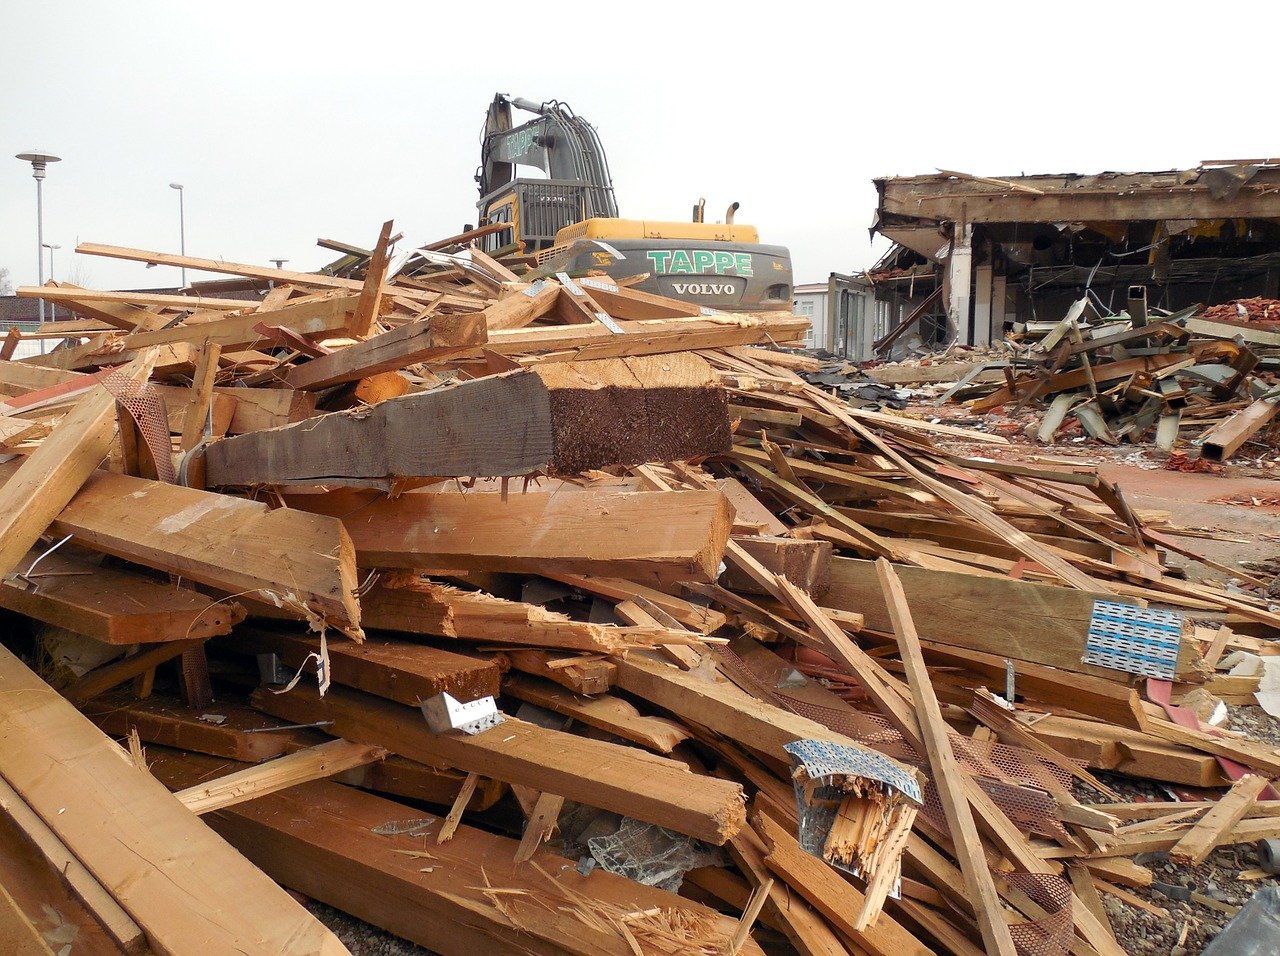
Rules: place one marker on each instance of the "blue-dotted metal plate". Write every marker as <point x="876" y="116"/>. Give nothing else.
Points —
<point x="1133" y="639"/>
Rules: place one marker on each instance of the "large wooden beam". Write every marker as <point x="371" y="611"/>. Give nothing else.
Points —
<point x="600" y="774"/>
<point x="186" y="888"/>
<point x="323" y="839"/>
<point x="659" y="536"/>
<point x="557" y="419"/>
<point x="235" y="545"/>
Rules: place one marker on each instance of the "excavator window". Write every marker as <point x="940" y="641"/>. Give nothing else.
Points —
<point x="503" y="237"/>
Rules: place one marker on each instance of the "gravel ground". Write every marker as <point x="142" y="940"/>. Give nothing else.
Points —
<point x="364" y="939"/>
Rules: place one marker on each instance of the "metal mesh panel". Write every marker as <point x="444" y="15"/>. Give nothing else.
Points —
<point x="1052" y="934"/>
<point x="146" y="408"/>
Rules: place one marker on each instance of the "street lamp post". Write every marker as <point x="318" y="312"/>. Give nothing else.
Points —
<point x="39" y="160"/>
<point x="51" y="246"/>
<point x="182" y="226"/>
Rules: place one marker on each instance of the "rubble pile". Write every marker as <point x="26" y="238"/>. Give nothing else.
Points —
<point x="516" y="615"/>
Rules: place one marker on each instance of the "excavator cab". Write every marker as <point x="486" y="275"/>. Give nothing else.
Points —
<point x="568" y="222"/>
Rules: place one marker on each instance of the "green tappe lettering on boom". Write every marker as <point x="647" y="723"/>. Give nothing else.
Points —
<point x="699" y="262"/>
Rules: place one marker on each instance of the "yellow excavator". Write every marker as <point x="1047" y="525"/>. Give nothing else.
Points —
<point x="567" y="221"/>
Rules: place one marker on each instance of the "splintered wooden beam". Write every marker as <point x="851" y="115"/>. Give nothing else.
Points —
<point x="612" y="777"/>
<point x="412" y="604"/>
<point x="460" y="898"/>
<point x="652" y="537"/>
<point x="113" y="605"/>
<point x="235" y="545"/>
<point x="183" y="885"/>
<point x="302" y="766"/>
<point x="946" y="772"/>
<point x="43" y="484"/>
<point x="1208" y="833"/>
<point x="558" y="419"/>
<point x="412" y="342"/>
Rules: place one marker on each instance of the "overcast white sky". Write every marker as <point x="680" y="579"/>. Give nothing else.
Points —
<point x="289" y="121"/>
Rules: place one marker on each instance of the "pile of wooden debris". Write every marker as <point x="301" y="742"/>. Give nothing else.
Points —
<point x="1206" y="377"/>
<point x="707" y="677"/>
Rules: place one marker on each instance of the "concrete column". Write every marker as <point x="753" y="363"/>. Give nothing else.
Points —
<point x="959" y="274"/>
<point x="997" y="306"/>
<point x="982" y="295"/>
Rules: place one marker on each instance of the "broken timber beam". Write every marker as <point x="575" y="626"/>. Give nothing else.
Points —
<point x="557" y="419"/>
<point x="594" y="772"/>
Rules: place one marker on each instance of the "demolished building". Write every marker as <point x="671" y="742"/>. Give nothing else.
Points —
<point x="972" y="255"/>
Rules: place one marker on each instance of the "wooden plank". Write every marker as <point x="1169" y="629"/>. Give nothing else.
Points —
<point x="42" y="485"/>
<point x="651" y="537"/>
<point x="315" y="318"/>
<point x="1225" y="438"/>
<point x="1208" y="833"/>
<point x="593" y="772"/>
<point x="186" y="888"/>
<point x="113" y="605"/>
<point x="604" y="712"/>
<point x="580" y="673"/>
<point x="320" y="838"/>
<point x="199" y="410"/>
<point x="242" y="734"/>
<point x="114" y="921"/>
<point x="402" y="671"/>
<point x="108" y="676"/>
<point x="370" y="301"/>
<point x="301" y="766"/>
<point x="227" y="543"/>
<point x="409" y="343"/>
<point x="946" y="772"/>
<point x="187" y="302"/>
<point x="562" y="419"/>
